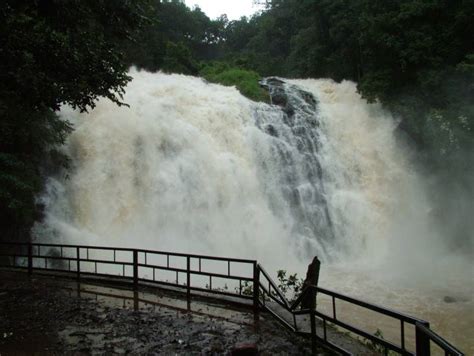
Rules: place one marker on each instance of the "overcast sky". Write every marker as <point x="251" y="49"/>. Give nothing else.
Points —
<point x="233" y="8"/>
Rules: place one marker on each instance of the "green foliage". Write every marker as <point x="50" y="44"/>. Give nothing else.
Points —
<point x="175" y="39"/>
<point x="179" y="59"/>
<point x="291" y="286"/>
<point x="414" y="56"/>
<point x="53" y="53"/>
<point x="379" y="349"/>
<point x="247" y="288"/>
<point x="246" y="81"/>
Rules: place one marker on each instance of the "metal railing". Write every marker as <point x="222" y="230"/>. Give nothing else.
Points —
<point x="426" y="336"/>
<point x="256" y="287"/>
<point x="136" y="266"/>
<point x="423" y="334"/>
<point x="421" y="345"/>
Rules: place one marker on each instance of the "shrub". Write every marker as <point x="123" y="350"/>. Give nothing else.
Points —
<point x="246" y="81"/>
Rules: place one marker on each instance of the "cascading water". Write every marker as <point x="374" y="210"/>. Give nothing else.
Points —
<point x="196" y="167"/>
<point x="288" y="164"/>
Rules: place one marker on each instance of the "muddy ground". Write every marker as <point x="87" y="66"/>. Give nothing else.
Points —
<point x="53" y="316"/>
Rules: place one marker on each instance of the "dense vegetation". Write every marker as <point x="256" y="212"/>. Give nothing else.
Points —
<point x="415" y="56"/>
<point x="52" y="52"/>
<point x="246" y="81"/>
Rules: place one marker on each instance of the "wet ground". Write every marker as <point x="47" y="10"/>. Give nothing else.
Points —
<point x="45" y="315"/>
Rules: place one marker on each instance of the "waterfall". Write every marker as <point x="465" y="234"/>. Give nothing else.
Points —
<point x="196" y="167"/>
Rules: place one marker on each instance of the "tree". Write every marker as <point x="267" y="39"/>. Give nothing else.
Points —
<point x="175" y="32"/>
<point x="53" y="52"/>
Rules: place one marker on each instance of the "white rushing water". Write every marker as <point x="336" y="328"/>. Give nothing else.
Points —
<point x="196" y="167"/>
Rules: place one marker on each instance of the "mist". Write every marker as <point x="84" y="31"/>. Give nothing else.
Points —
<point x="196" y="167"/>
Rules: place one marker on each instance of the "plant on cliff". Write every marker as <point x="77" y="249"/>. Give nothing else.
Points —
<point x="246" y="81"/>
<point x="291" y="286"/>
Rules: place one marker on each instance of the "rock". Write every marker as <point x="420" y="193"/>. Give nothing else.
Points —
<point x="312" y="277"/>
<point x="449" y="299"/>
<point x="270" y="129"/>
<point x="280" y="97"/>
<point x="216" y="346"/>
<point x="245" y="349"/>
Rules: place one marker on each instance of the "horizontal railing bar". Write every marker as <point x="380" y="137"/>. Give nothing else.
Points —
<point x="374" y="307"/>
<point x="278" y="317"/>
<point x="204" y="257"/>
<point x="110" y="262"/>
<point x="120" y="263"/>
<point x="66" y="271"/>
<point x="363" y="333"/>
<point x="223" y="276"/>
<point x="74" y="272"/>
<point x="183" y="286"/>
<point x="165" y="283"/>
<point x="172" y="269"/>
<point x="300" y="298"/>
<point x="355" y="330"/>
<point x="222" y="292"/>
<point x="105" y="248"/>
<point x="266" y="292"/>
<point x="280" y="294"/>
<point x="438" y="340"/>
<point x="183" y="270"/>
<point x="326" y="343"/>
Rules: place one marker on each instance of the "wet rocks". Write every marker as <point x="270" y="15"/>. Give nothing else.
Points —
<point x="449" y="299"/>
<point x="289" y="104"/>
<point x="56" y="321"/>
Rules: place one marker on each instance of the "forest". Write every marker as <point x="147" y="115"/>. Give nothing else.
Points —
<point x="415" y="57"/>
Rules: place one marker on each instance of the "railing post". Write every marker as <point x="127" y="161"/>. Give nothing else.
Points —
<point x="188" y="278"/>
<point x="30" y="258"/>
<point x="312" y="318"/>
<point x="422" y="341"/>
<point x="256" y="289"/>
<point x="135" y="269"/>
<point x="78" y="262"/>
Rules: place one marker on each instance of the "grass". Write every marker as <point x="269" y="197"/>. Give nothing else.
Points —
<point x="246" y="81"/>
